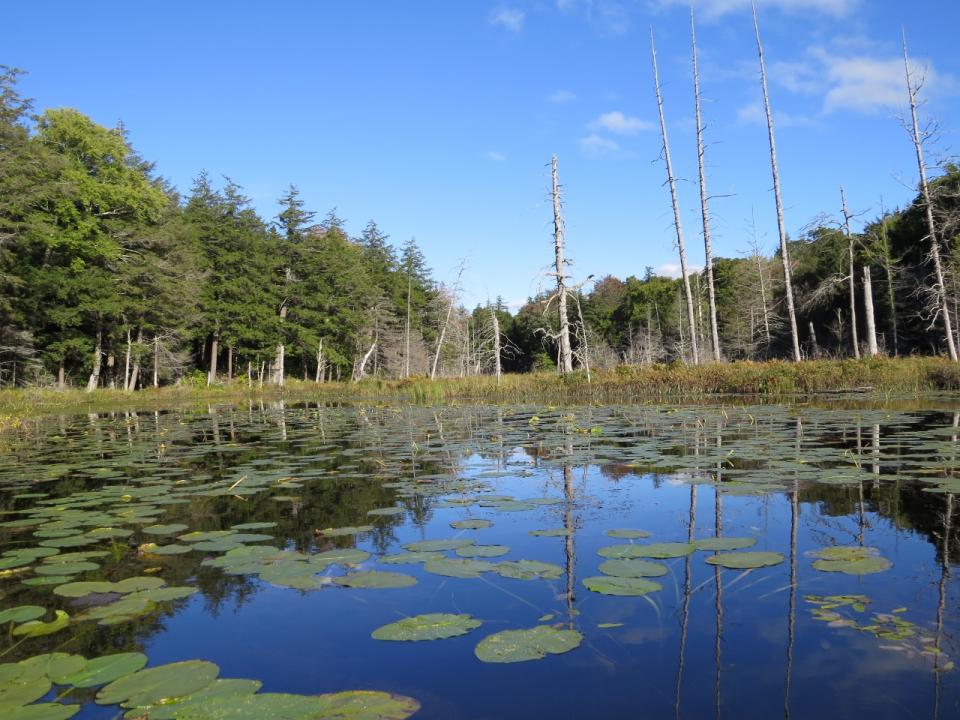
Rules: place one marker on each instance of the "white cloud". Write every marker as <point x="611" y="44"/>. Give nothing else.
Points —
<point x="496" y="156"/>
<point x="595" y="145"/>
<point x="619" y="123"/>
<point x="609" y="16"/>
<point x="711" y="9"/>
<point x="753" y="114"/>
<point x="509" y="18"/>
<point x="672" y="270"/>
<point x="561" y="97"/>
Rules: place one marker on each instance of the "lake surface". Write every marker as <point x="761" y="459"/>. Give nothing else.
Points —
<point x="272" y="542"/>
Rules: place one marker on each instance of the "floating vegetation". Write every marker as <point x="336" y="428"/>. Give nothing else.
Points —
<point x="487" y="551"/>
<point x="613" y="585"/>
<point x="376" y="579"/>
<point x="433" y="626"/>
<point x="716" y="544"/>
<point x="632" y="568"/>
<point x="654" y="550"/>
<point x="624" y="534"/>
<point x="528" y="570"/>
<point x="470" y="524"/>
<point x="511" y="646"/>
<point x="551" y="532"/>
<point x="746" y="560"/>
<point x="850" y="560"/>
<point x="458" y="568"/>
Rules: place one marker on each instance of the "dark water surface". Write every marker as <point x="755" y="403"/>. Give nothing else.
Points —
<point x="876" y="637"/>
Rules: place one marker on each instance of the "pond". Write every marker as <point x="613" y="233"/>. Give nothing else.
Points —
<point x="299" y="561"/>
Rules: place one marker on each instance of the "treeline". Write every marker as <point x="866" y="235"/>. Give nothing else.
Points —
<point x="109" y="277"/>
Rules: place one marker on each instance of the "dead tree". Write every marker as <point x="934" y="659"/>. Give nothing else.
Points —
<point x="850" y="278"/>
<point x="868" y="308"/>
<point x="781" y="227"/>
<point x="939" y="290"/>
<point x="496" y="343"/>
<point x="763" y="290"/>
<point x="446" y="322"/>
<point x="565" y="364"/>
<point x="704" y="209"/>
<point x="94" y="380"/>
<point x="318" y="378"/>
<point x="671" y="181"/>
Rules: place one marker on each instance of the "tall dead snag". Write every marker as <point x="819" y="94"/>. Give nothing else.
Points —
<point x="672" y="182"/>
<point x="940" y="292"/>
<point x="704" y="209"/>
<point x="565" y="359"/>
<point x="868" y="308"/>
<point x="446" y="322"/>
<point x="320" y="363"/>
<point x="94" y="381"/>
<point x="850" y="279"/>
<point x="496" y="343"/>
<point x="784" y="255"/>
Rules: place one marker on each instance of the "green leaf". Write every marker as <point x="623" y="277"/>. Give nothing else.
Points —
<point x="746" y="560"/>
<point x="374" y="579"/>
<point x="511" y="646"/>
<point x="433" y="626"/>
<point x="716" y="544"/>
<point x="635" y="568"/>
<point x="35" y="628"/>
<point x="159" y="684"/>
<point x="452" y="567"/>
<point x="608" y="585"/>
<point x="21" y="613"/>
<point x="105" y="669"/>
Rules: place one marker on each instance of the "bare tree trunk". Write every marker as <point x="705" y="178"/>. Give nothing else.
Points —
<point x="496" y="343"/>
<point x="278" y="364"/>
<point x="814" y="347"/>
<point x="61" y="376"/>
<point x="230" y="363"/>
<point x="249" y="374"/>
<point x="704" y="209"/>
<point x="781" y="227"/>
<point x="126" y="365"/>
<point x="406" y="331"/>
<point x="940" y="290"/>
<point x="443" y="330"/>
<point x="586" y="345"/>
<point x="888" y="270"/>
<point x="94" y="380"/>
<point x="868" y="307"/>
<point x="214" y="352"/>
<point x="135" y="372"/>
<point x="319" y="374"/>
<point x="566" y="356"/>
<point x="852" y="286"/>
<point x="671" y="181"/>
<point x="156" y="361"/>
<point x="361" y="369"/>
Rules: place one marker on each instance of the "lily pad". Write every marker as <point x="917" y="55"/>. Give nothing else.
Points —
<point x="551" y="532"/>
<point x="609" y="585"/>
<point x="354" y="704"/>
<point x="433" y="626"/>
<point x="483" y="551"/>
<point x="339" y="532"/>
<point x="452" y="567"/>
<point x="22" y="613"/>
<point x="653" y="550"/>
<point x="159" y="684"/>
<point x="437" y="545"/>
<point x="746" y="560"/>
<point x="375" y="579"/>
<point x="511" y="646"/>
<point x="410" y="558"/>
<point x="850" y="560"/>
<point x="529" y="570"/>
<point x="41" y="711"/>
<point x="36" y="628"/>
<point x="108" y="668"/>
<point x="624" y="534"/>
<point x="724" y="543"/>
<point x="171" y="529"/>
<point x="470" y="524"/>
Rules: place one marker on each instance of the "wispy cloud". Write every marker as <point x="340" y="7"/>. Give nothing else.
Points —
<point x="596" y="145"/>
<point x="561" y="97"/>
<point x="711" y="9"/>
<point x="611" y="16"/>
<point x="509" y="18"/>
<point x="672" y="270"/>
<point x="621" y="124"/>
<point x="753" y="114"/>
<point x="496" y="156"/>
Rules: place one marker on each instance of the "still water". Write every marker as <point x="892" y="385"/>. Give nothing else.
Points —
<point x="671" y="562"/>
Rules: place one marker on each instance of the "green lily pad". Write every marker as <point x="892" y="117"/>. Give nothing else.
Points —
<point x="54" y="666"/>
<point x="376" y="579"/>
<point x="159" y="684"/>
<point x="387" y="511"/>
<point x="346" y="556"/>
<point x="105" y="669"/>
<point x="610" y="585"/>
<point x="352" y="530"/>
<point x="536" y="643"/>
<point x="551" y="532"/>
<point x="624" y="534"/>
<point x="171" y="529"/>
<point x="437" y="545"/>
<point x="21" y="613"/>
<point x="433" y="626"/>
<point x="42" y="711"/>
<point x="529" y="570"/>
<point x="81" y="589"/>
<point x="746" y="560"/>
<point x="470" y="524"/>
<point x="65" y="568"/>
<point x="171" y="549"/>
<point x="354" y="704"/>
<point x="453" y="567"/>
<point x="410" y="558"/>
<point x="724" y="543"/>
<point x="36" y="628"/>
<point x="482" y="551"/>
<point x="632" y="568"/>
<point x="850" y="560"/>
<point x="195" y="701"/>
<point x="23" y="690"/>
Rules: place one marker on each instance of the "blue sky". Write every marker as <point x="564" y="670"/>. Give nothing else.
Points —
<point x="438" y="118"/>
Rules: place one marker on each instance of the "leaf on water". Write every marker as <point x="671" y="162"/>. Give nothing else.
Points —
<point x="36" y="628"/>
<point x="386" y="511"/>
<point x="41" y="711"/>
<point x="624" y="534"/>
<point x="528" y="570"/>
<point x="432" y="626"/>
<point x="195" y="702"/>
<point x="635" y="568"/>
<point x="375" y="579"/>
<point x="171" y="529"/>
<point x="21" y="613"/>
<point x="511" y="646"/>
<point x="470" y="524"/>
<point x="346" y="556"/>
<point x="746" y="560"/>
<point x="476" y="551"/>
<point x="609" y="585"/>
<point x="159" y="684"/>
<point x="105" y="669"/>
<point x="551" y="532"/>
<point x="724" y="543"/>
<point x="437" y="545"/>
<point x="339" y="532"/>
<point x="354" y="704"/>
<point x="452" y="567"/>
<point x="410" y="558"/>
<point x="653" y="550"/>
<point x="853" y="560"/>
